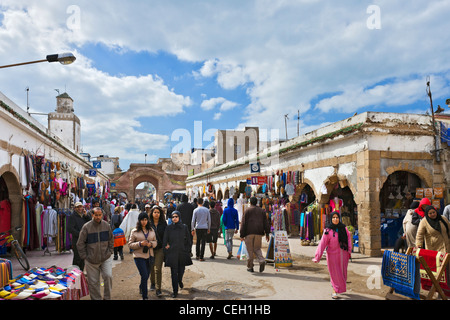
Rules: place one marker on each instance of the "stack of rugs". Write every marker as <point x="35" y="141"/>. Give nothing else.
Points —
<point x="46" y="284"/>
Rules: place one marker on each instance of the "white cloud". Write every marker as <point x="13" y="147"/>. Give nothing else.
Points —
<point x="285" y="54"/>
<point x="224" y="104"/>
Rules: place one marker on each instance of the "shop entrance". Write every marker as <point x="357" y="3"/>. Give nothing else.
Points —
<point x="10" y="202"/>
<point x="396" y="197"/>
<point x="341" y="199"/>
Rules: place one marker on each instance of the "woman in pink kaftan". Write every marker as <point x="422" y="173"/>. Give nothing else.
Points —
<point x="338" y="243"/>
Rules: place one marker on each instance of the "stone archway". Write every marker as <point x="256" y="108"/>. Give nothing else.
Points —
<point x="126" y="182"/>
<point x="11" y="178"/>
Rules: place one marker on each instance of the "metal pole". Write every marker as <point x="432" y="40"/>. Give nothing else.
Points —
<point x="22" y="63"/>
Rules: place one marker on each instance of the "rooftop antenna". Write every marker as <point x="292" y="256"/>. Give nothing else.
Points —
<point x="286" y="118"/>
<point x="436" y="141"/>
<point x="298" y="123"/>
<point x="27" y="89"/>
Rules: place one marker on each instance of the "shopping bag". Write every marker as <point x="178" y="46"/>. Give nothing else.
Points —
<point x="239" y="251"/>
<point x="244" y="253"/>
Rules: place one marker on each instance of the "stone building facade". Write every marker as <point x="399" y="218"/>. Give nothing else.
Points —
<point x="368" y="158"/>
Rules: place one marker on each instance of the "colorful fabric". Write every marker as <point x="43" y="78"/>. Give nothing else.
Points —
<point x="401" y="272"/>
<point x="5" y="272"/>
<point x="434" y="260"/>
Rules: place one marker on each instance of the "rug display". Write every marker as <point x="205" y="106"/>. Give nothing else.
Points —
<point x="402" y="273"/>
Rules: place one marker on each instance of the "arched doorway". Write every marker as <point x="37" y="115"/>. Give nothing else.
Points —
<point x="301" y="202"/>
<point x="396" y="196"/>
<point x="11" y="201"/>
<point x="145" y="191"/>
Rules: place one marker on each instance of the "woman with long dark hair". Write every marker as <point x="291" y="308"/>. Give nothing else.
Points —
<point x="337" y="241"/>
<point x="158" y="224"/>
<point x="142" y="241"/>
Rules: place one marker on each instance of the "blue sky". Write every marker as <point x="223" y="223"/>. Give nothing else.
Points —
<point x="148" y="69"/>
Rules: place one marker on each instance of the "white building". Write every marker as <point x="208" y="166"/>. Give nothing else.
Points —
<point x="43" y="163"/>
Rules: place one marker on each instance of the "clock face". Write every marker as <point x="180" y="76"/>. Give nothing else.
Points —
<point x="255" y="167"/>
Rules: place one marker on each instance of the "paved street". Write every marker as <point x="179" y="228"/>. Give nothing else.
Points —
<point x="220" y="278"/>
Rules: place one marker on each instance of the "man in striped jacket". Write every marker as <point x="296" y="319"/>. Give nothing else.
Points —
<point x="96" y="245"/>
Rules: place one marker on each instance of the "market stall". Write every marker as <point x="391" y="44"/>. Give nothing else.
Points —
<point x="52" y="283"/>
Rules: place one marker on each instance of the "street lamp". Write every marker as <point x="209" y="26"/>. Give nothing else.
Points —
<point x="63" y="58"/>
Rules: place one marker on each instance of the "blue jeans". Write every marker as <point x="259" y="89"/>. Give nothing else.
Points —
<point x="144" y="267"/>
<point x="229" y="234"/>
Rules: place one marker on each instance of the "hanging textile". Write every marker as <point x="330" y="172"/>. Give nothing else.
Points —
<point x="5" y="215"/>
<point x="401" y="272"/>
<point x="39" y="209"/>
<point x="6" y="272"/>
<point x="63" y="239"/>
<point x="31" y="235"/>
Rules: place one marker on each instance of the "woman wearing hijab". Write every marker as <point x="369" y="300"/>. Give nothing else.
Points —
<point x="433" y="231"/>
<point x="419" y="212"/>
<point x="338" y="243"/>
<point x="142" y="241"/>
<point x="177" y="244"/>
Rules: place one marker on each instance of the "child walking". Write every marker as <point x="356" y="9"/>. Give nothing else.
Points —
<point x="119" y="241"/>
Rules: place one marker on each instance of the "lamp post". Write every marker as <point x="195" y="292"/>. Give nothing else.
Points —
<point x="63" y="58"/>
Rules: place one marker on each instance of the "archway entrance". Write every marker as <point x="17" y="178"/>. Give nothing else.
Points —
<point x="11" y="202"/>
<point x="303" y="201"/>
<point x="145" y="191"/>
<point x="396" y="196"/>
<point x="151" y="173"/>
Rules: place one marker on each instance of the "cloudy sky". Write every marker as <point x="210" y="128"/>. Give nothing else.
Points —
<point x="155" y="77"/>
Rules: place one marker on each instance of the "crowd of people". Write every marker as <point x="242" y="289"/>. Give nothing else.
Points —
<point x="160" y="235"/>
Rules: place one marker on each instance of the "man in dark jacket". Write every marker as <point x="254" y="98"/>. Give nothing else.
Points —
<point x="74" y="224"/>
<point x="96" y="246"/>
<point x="186" y="210"/>
<point x="253" y="227"/>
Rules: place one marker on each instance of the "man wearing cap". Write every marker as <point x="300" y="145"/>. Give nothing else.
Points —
<point x="75" y="222"/>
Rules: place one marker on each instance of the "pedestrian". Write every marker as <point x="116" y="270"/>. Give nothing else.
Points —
<point x="410" y="230"/>
<point x="446" y="212"/>
<point x="338" y="244"/>
<point x="230" y="221"/>
<point x="142" y="241"/>
<point x="170" y="209"/>
<point x="419" y="212"/>
<point x="201" y="225"/>
<point x="212" y="237"/>
<point x="186" y="210"/>
<point x="254" y="226"/>
<point x="75" y="222"/>
<point x="433" y="231"/>
<point x="158" y="224"/>
<point x="96" y="246"/>
<point x="176" y="244"/>
<point x="96" y="204"/>
<point x="119" y="240"/>
<point x="130" y="220"/>
<point x="116" y="217"/>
